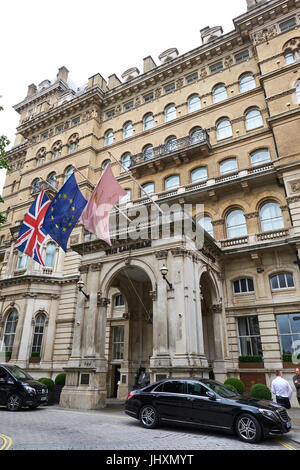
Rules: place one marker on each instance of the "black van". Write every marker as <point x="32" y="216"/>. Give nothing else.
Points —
<point x="18" y="389"/>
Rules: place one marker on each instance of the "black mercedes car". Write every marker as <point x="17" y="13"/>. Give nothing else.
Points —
<point x="18" y="389"/>
<point x="208" y="404"/>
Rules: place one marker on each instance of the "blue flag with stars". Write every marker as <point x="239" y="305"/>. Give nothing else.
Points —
<point x="64" y="212"/>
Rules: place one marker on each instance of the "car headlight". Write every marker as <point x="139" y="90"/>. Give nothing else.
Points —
<point x="29" y="389"/>
<point x="269" y="414"/>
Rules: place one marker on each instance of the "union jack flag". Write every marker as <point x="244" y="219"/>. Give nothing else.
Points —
<point x="31" y="234"/>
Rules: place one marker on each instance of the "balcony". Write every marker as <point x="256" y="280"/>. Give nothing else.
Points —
<point x="272" y="237"/>
<point x="37" y="187"/>
<point x="176" y="150"/>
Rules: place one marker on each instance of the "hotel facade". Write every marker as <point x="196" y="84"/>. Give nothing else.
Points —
<point x="217" y="127"/>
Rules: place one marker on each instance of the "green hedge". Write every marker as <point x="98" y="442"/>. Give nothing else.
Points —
<point x="236" y="383"/>
<point x="288" y="357"/>
<point x="48" y="382"/>
<point x="250" y="359"/>
<point x="231" y="387"/>
<point x="261" y="392"/>
<point x="35" y="354"/>
<point x="60" y="379"/>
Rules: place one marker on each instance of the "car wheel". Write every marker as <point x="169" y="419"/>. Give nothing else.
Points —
<point x="14" y="402"/>
<point x="248" y="428"/>
<point x="149" y="417"/>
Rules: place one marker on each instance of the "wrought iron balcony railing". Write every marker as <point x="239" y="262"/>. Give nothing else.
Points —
<point x="190" y="142"/>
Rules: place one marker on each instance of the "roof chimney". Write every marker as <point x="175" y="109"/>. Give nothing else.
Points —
<point x="63" y="73"/>
<point x="211" y="34"/>
<point x="31" y="89"/>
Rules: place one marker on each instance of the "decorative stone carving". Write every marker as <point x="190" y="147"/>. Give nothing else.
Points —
<point x="203" y="73"/>
<point x="179" y="83"/>
<point x="251" y="215"/>
<point x="96" y="266"/>
<point x="218" y="222"/>
<point x="216" y="308"/>
<point x="157" y="92"/>
<point x="161" y="254"/>
<point x="265" y="35"/>
<point x="295" y="186"/>
<point x="102" y="301"/>
<point x="228" y="61"/>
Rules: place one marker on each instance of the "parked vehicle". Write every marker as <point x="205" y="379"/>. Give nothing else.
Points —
<point x="208" y="404"/>
<point x="18" y="389"/>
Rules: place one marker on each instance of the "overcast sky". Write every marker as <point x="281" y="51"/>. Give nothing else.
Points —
<point x="92" y="36"/>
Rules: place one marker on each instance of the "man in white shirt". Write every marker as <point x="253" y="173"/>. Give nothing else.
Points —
<point x="282" y="390"/>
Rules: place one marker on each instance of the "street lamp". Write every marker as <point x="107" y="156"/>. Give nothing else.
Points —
<point x="80" y="285"/>
<point x="164" y="271"/>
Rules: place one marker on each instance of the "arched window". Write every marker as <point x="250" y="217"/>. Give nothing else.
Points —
<point x="126" y="161"/>
<point x="196" y="135"/>
<point x="253" y="119"/>
<point x="73" y="143"/>
<point x="219" y="93"/>
<point x="108" y="137"/>
<point x="56" y="149"/>
<point x="247" y="82"/>
<point x="298" y="91"/>
<point x="282" y="281"/>
<point x="22" y="260"/>
<point x="171" y="144"/>
<point x="52" y="179"/>
<point x="206" y="223"/>
<point x="41" y="156"/>
<point x="172" y="182"/>
<point x="194" y="103"/>
<point x="270" y="216"/>
<point x="50" y="255"/>
<point x="148" y="121"/>
<point x="148" y="189"/>
<point x="10" y="330"/>
<point x="127" y="197"/>
<point x="289" y="57"/>
<point x="36" y="186"/>
<point x="224" y="129"/>
<point x="228" y="166"/>
<point x="69" y="171"/>
<point x="243" y="286"/>
<point x="148" y="152"/>
<point x="170" y="112"/>
<point x="38" y="333"/>
<point x="236" y="224"/>
<point x="105" y="164"/>
<point x="260" y="156"/>
<point x="127" y="130"/>
<point x="199" y="174"/>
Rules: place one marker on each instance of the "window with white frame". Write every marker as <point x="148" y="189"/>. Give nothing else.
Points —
<point x="241" y="56"/>
<point x="288" y="24"/>
<point x="282" y="281"/>
<point x="228" y="166"/>
<point x="219" y="93"/>
<point x="271" y="216"/>
<point x="69" y="171"/>
<point x="108" y="137"/>
<point x="147" y="189"/>
<point x="289" y="57"/>
<point x="199" y="174"/>
<point x="126" y="161"/>
<point x="196" y="135"/>
<point x="224" y="129"/>
<point x="170" y="112"/>
<point x="105" y="164"/>
<point x="289" y="332"/>
<point x="243" y="286"/>
<point x="172" y="182"/>
<point x="253" y="119"/>
<point x="22" y="260"/>
<point x="194" y="103"/>
<point x="10" y="330"/>
<point x="148" y="152"/>
<point x="206" y="223"/>
<point x="38" y="333"/>
<point x="119" y="300"/>
<point x="118" y="343"/>
<point x="127" y="130"/>
<point x="236" y="224"/>
<point x="249" y="336"/>
<point x="127" y="197"/>
<point x="148" y="121"/>
<point x="298" y="91"/>
<point x="258" y="157"/>
<point x="171" y="144"/>
<point x="247" y="82"/>
<point x="50" y="255"/>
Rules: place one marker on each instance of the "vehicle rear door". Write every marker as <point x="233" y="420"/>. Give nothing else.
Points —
<point x="4" y="386"/>
<point x="172" y="402"/>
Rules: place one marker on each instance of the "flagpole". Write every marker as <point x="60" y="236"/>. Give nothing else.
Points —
<point x="47" y="182"/>
<point x="115" y="207"/>
<point x="136" y="182"/>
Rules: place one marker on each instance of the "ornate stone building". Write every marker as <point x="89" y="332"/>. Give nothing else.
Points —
<point x="217" y="126"/>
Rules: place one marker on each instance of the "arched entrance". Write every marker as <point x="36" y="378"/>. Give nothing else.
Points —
<point x="129" y="328"/>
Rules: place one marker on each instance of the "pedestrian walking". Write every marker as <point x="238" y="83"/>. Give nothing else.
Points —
<point x="282" y="390"/>
<point x="144" y="378"/>
<point x="296" y="380"/>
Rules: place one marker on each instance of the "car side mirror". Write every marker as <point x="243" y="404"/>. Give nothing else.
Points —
<point x="211" y="395"/>
<point x="10" y="381"/>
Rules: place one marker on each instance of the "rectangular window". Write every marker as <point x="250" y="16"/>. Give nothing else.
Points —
<point x="118" y="343"/>
<point x="128" y="106"/>
<point x="148" y="97"/>
<point x="289" y="332"/>
<point x="249" y="336"/>
<point x="119" y="301"/>
<point x="216" y="67"/>
<point x="287" y="24"/>
<point x="169" y="88"/>
<point x="44" y="136"/>
<point x="192" y="78"/>
<point x="282" y="281"/>
<point x="59" y="128"/>
<point x="110" y="114"/>
<point x="241" y="56"/>
<point x="76" y="121"/>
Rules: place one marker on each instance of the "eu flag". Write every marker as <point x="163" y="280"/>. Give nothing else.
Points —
<point x="64" y="212"/>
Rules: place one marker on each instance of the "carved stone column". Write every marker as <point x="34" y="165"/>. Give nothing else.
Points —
<point x="93" y="282"/>
<point x="51" y="330"/>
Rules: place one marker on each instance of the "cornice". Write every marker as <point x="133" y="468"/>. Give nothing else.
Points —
<point x="58" y="85"/>
<point x="42" y="279"/>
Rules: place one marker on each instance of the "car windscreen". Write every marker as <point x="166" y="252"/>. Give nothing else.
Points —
<point x="19" y="373"/>
<point x="221" y="389"/>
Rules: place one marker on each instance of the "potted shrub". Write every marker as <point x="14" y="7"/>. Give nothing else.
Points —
<point x="251" y="362"/>
<point x="236" y="383"/>
<point x="50" y="385"/>
<point x="287" y="361"/>
<point x="35" y="357"/>
<point x="261" y="392"/>
<point x="59" y="383"/>
<point x="7" y="356"/>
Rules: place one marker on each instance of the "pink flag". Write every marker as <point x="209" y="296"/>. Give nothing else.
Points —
<point x="95" y="217"/>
